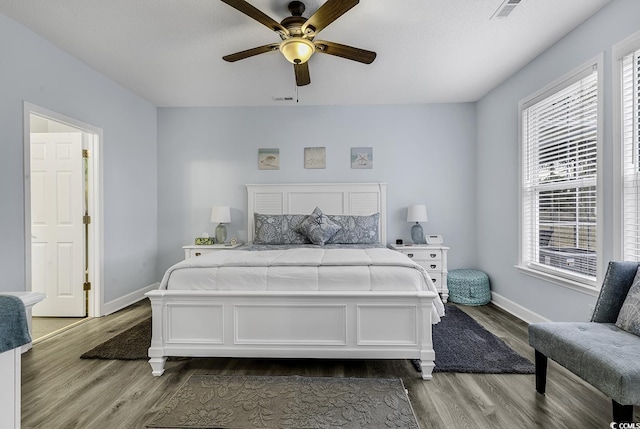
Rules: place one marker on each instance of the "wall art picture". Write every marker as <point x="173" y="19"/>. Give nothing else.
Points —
<point x="361" y="157"/>
<point x="315" y="157"/>
<point x="268" y="159"/>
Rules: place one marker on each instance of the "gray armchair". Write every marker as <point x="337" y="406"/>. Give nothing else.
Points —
<point x="598" y="351"/>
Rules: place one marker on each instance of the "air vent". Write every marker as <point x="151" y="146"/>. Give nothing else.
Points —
<point x="505" y="8"/>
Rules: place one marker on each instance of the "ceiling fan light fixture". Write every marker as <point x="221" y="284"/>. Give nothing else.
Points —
<point x="297" y="50"/>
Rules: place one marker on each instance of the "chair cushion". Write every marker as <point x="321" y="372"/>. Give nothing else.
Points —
<point x="629" y="316"/>
<point x="615" y="286"/>
<point x="600" y="353"/>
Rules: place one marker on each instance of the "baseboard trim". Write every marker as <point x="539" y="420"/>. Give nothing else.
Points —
<point x="125" y="301"/>
<point x="516" y="309"/>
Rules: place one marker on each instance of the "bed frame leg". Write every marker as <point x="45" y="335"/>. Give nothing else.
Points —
<point x="157" y="365"/>
<point x="427" y="368"/>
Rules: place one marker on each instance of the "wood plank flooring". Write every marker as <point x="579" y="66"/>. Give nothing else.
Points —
<point x="43" y="327"/>
<point x="60" y="390"/>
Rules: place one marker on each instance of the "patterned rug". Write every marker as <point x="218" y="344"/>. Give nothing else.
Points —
<point x="230" y="402"/>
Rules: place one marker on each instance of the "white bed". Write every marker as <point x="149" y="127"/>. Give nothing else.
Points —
<point x="315" y="302"/>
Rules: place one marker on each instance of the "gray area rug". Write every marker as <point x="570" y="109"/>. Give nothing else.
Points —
<point x="132" y="344"/>
<point x="463" y="345"/>
<point x="229" y="402"/>
<point x="460" y="343"/>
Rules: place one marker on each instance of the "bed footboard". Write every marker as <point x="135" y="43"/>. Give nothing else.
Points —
<point x="335" y="325"/>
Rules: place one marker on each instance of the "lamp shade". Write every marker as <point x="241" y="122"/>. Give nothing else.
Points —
<point x="221" y="214"/>
<point x="297" y="50"/>
<point x="417" y="213"/>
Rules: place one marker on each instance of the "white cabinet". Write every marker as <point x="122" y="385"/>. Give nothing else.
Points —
<point x="10" y="388"/>
<point x="432" y="258"/>
<point x="194" y="250"/>
<point x="10" y="369"/>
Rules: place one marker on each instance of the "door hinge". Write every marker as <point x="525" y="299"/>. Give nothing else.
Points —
<point x="86" y="153"/>
<point x="86" y="219"/>
<point x="87" y="286"/>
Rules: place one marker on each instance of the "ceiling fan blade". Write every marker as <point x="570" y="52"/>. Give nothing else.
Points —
<point x="257" y="14"/>
<point x="344" y="51"/>
<point x="327" y="13"/>
<point x="251" y="52"/>
<point x="302" y="74"/>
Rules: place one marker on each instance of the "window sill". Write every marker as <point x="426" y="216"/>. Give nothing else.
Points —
<point x="575" y="285"/>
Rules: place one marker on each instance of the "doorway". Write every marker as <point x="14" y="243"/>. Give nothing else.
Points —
<point x="62" y="202"/>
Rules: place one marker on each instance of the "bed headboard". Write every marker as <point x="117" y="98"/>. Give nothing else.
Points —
<point x="333" y="198"/>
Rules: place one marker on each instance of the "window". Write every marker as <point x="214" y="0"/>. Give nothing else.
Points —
<point x="630" y="137"/>
<point x="559" y="179"/>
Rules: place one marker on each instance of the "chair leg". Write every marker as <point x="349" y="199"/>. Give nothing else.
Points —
<point x="541" y="372"/>
<point x="622" y="413"/>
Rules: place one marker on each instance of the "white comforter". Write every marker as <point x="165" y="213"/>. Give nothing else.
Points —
<point x="302" y="269"/>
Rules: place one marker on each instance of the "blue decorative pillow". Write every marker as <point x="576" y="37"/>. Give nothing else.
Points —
<point x="318" y="228"/>
<point x="629" y="316"/>
<point x="278" y="229"/>
<point x="356" y="229"/>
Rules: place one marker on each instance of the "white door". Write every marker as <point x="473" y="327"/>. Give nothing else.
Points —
<point x="57" y="231"/>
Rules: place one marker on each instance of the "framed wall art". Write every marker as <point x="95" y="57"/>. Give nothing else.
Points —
<point x="361" y="157"/>
<point x="268" y="159"/>
<point x="315" y="157"/>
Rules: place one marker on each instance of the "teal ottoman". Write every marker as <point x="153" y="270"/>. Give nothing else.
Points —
<point x="469" y="287"/>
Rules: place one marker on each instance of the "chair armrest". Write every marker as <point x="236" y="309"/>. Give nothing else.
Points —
<point x="615" y="287"/>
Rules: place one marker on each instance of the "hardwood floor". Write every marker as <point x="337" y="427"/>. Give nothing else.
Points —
<point x="60" y="390"/>
<point x="43" y="327"/>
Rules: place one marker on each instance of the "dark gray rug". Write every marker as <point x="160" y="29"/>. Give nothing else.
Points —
<point x="460" y="343"/>
<point x="226" y="402"/>
<point x="463" y="345"/>
<point x="132" y="344"/>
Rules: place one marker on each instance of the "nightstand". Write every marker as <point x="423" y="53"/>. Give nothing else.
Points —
<point x="432" y="258"/>
<point x="194" y="250"/>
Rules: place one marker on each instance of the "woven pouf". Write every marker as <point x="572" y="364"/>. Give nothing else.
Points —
<point x="468" y="287"/>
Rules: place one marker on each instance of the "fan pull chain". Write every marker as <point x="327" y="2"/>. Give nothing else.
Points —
<point x="297" y="99"/>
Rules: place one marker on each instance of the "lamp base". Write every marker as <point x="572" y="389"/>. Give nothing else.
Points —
<point x="221" y="233"/>
<point x="417" y="235"/>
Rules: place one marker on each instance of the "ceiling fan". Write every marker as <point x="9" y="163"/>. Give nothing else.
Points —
<point x="298" y="33"/>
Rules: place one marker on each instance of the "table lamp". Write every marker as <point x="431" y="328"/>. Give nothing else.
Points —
<point x="417" y="213"/>
<point x="221" y="215"/>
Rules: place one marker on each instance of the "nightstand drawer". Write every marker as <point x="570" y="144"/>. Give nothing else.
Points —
<point x="424" y="255"/>
<point x="436" y="278"/>
<point x="432" y="265"/>
<point x="435" y="266"/>
<point x="193" y="251"/>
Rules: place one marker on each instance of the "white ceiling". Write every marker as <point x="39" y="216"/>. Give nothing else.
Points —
<point x="169" y="51"/>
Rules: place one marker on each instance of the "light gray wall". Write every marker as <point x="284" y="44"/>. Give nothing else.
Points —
<point x="497" y="161"/>
<point x="33" y="70"/>
<point x="426" y="154"/>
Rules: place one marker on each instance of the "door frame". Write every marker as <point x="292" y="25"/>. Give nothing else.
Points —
<point x="92" y="138"/>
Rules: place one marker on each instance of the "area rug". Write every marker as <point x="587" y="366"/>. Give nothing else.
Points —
<point x="229" y="402"/>
<point x="132" y="344"/>
<point x="460" y="343"/>
<point x="463" y="345"/>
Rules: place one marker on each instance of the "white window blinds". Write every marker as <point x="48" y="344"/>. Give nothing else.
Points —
<point x="631" y="152"/>
<point x="559" y="183"/>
